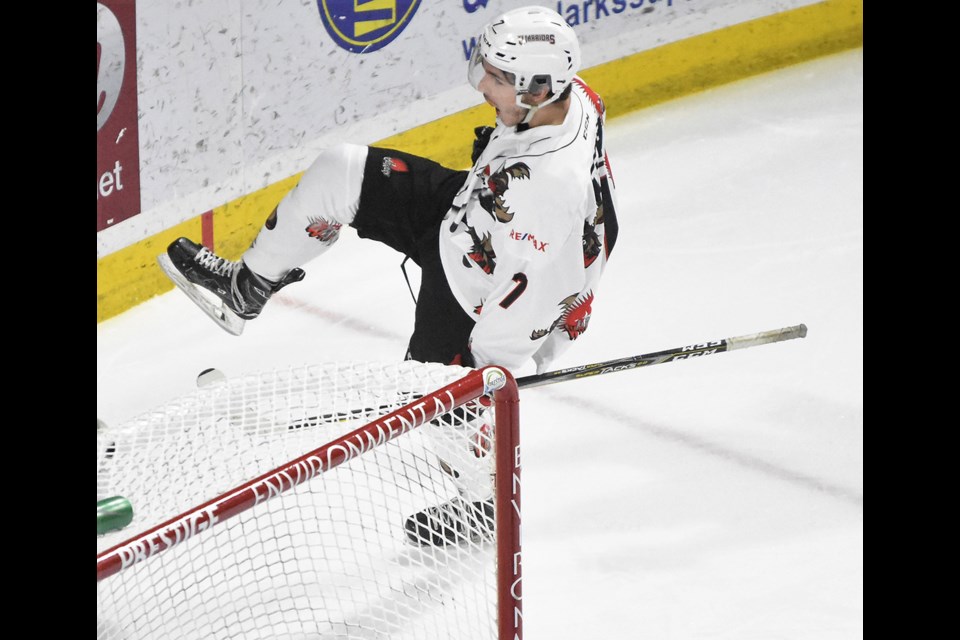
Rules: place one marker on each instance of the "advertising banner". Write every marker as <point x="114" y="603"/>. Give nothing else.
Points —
<point x="118" y="153"/>
<point x="236" y="95"/>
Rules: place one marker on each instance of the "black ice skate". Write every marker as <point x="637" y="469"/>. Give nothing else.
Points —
<point x="242" y="293"/>
<point x="452" y="522"/>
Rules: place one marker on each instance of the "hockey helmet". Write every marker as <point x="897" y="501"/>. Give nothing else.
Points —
<point x="534" y="44"/>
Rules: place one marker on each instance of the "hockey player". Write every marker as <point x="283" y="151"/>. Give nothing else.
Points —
<point x="511" y="251"/>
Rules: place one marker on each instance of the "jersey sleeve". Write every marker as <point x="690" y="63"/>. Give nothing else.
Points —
<point x="599" y="234"/>
<point x="572" y="322"/>
<point x="540" y="270"/>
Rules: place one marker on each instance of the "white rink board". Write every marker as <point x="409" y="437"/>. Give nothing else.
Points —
<point x="235" y="95"/>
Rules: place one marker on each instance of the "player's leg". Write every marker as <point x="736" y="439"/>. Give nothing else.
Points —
<point x="463" y="443"/>
<point x="462" y="440"/>
<point x="404" y="199"/>
<point x="402" y="205"/>
<point x="308" y="220"/>
<point x="303" y="226"/>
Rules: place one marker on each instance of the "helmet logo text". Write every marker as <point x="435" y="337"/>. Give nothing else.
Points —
<point x="537" y="37"/>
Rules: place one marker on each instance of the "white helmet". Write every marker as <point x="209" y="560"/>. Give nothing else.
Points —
<point x="533" y="43"/>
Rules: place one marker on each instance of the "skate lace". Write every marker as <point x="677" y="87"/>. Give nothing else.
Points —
<point x="465" y="519"/>
<point x="450" y="515"/>
<point x="212" y="262"/>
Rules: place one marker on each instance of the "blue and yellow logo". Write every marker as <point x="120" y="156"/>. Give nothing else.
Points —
<point x="362" y="26"/>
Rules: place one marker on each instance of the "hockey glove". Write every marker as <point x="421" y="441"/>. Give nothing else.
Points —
<point x="464" y="359"/>
<point x="482" y="135"/>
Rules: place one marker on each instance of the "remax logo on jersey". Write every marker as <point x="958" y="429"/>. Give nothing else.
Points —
<point x="363" y="26"/>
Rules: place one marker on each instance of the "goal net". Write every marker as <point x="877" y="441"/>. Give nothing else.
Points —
<point x="321" y="502"/>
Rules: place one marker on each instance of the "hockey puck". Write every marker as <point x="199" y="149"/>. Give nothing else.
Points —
<point x="209" y="377"/>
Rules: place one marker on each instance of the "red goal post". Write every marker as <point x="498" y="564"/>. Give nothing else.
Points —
<point x="213" y="408"/>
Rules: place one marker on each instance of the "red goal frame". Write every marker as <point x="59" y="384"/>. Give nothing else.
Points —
<point x="493" y="382"/>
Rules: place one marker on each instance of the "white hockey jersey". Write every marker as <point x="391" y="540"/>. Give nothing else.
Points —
<point x="528" y="236"/>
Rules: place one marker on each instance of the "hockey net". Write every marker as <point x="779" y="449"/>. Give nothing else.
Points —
<point x="275" y="505"/>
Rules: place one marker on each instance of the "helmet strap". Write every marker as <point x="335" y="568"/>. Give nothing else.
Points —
<point x="531" y="111"/>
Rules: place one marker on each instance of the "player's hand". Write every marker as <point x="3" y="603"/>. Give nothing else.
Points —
<point x="464" y="359"/>
<point x="482" y="137"/>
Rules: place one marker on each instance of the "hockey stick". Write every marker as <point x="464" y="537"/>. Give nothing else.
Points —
<point x="660" y="357"/>
<point x="595" y="369"/>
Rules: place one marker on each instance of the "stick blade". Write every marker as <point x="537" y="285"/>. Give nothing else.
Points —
<point x="767" y="337"/>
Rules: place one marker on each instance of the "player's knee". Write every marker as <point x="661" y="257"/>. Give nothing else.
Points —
<point x="340" y="161"/>
<point x="330" y="188"/>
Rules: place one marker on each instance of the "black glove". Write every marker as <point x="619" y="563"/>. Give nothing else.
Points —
<point x="464" y="359"/>
<point x="482" y="138"/>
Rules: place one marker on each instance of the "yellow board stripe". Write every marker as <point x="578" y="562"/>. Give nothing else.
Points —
<point x="131" y="276"/>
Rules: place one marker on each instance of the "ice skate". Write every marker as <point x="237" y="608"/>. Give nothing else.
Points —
<point x="240" y="293"/>
<point x="452" y="522"/>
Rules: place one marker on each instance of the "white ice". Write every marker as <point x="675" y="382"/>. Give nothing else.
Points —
<point x="716" y="498"/>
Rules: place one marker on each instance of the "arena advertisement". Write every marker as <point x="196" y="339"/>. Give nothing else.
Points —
<point x="237" y="95"/>
<point x="118" y="154"/>
<point x="362" y="27"/>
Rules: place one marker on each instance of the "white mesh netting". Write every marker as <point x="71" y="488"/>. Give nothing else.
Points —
<point x="329" y="558"/>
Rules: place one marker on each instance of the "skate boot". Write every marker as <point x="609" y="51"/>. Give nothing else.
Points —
<point x="196" y="271"/>
<point x="452" y="522"/>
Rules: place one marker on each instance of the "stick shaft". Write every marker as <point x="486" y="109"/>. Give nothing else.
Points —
<point x="661" y="357"/>
<point x="591" y="370"/>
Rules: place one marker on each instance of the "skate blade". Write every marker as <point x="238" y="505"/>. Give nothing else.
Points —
<point x="227" y="319"/>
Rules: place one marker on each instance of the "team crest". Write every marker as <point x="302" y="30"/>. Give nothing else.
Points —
<point x="573" y="320"/>
<point x="498" y="184"/>
<point x="393" y="164"/>
<point x="323" y="230"/>
<point x="591" y="239"/>
<point x="481" y="252"/>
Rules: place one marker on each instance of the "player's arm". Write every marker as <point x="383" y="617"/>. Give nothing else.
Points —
<point x="537" y="275"/>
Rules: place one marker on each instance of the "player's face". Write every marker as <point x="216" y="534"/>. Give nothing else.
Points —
<point x="498" y="91"/>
